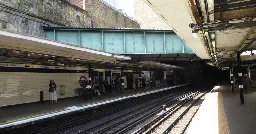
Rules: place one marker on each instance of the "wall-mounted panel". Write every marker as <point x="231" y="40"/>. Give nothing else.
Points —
<point x="50" y="35"/>
<point x="92" y="40"/>
<point x="113" y="42"/>
<point x="155" y="43"/>
<point x="134" y="43"/>
<point x="173" y="44"/>
<point x="70" y="37"/>
<point x="187" y="49"/>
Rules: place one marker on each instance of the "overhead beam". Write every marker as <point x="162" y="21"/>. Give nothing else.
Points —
<point x="248" y="39"/>
<point x="235" y="6"/>
<point x="159" y="57"/>
<point x="195" y="12"/>
<point x="193" y="57"/>
<point x="176" y="57"/>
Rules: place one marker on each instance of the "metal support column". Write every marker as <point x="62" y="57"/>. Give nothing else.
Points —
<point x="174" y="78"/>
<point x="90" y="74"/>
<point x="232" y="78"/>
<point x="122" y="79"/>
<point x="140" y="80"/>
<point x="150" y="79"/>
<point x="240" y="76"/>
<point x="249" y="72"/>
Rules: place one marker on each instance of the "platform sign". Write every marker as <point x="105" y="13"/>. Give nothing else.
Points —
<point x="38" y="66"/>
<point x="9" y="65"/>
<point x="54" y="67"/>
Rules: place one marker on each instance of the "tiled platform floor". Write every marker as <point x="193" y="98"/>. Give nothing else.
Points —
<point x="222" y="113"/>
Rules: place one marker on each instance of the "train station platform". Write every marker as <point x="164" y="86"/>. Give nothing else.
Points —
<point x="31" y="112"/>
<point x="222" y="113"/>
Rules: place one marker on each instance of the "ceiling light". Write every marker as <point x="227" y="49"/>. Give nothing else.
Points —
<point x="195" y="35"/>
<point x="45" y="55"/>
<point x="122" y="57"/>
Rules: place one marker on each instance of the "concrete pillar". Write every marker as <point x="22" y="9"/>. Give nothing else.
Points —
<point x="231" y="78"/>
<point x="240" y="76"/>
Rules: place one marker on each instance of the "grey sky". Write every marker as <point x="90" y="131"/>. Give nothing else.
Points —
<point x="126" y="5"/>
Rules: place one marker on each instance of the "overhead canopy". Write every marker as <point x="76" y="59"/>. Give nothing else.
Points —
<point x="228" y="26"/>
<point x="164" y="58"/>
<point x="152" y="64"/>
<point x="45" y="47"/>
<point x="224" y="26"/>
<point x="177" y="16"/>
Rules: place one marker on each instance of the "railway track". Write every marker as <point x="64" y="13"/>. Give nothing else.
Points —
<point x="135" y="117"/>
<point x="70" y="123"/>
<point x="128" y="121"/>
<point x="176" y="120"/>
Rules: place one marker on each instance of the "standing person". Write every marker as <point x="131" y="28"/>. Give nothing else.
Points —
<point x="105" y="83"/>
<point x="52" y="90"/>
<point x="136" y="84"/>
<point x="144" y="83"/>
<point x="246" y="82"/>
<point x="113" y="85"/>
<point x="118" y="82"/>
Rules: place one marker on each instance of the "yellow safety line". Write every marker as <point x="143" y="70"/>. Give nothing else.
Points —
<point x="223" y="122"/>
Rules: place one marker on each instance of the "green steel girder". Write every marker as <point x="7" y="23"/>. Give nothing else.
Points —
<point x="121" y="41"/>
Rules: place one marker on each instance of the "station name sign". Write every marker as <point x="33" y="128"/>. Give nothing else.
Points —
<point x="8" y="65"/>
<point x="40" y="66"/>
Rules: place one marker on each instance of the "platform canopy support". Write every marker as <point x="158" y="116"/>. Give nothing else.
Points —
<point x="240" y="76"/>
<point x="232" y="78"/>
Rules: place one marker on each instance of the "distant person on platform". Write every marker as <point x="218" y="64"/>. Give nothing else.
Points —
<point x="136" y="84"/>
<point x="144" y="83"/>
<point x="246" y="82"/>
<point x="106" y="86"/>
<point x="52" y="91"/>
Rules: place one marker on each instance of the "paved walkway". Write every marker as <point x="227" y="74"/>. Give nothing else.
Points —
<point x="222" y="113"/>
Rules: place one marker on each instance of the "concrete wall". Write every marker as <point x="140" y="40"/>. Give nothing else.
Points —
<point x="147" y="18"/>
<point x="28" y="16"/>
<point x="25" y="87"/>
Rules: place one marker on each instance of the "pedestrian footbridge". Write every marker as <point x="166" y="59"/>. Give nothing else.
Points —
<point x="121" y="41"/>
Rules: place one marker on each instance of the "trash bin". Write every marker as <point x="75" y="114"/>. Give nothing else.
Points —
<point x="41" y="96"/>
<point x="62" y="90"/>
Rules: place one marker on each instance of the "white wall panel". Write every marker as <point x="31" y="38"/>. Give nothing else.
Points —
<point x="25" y="87"/>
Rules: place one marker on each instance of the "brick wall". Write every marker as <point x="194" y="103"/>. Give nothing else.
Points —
<point x="28" y="16"/>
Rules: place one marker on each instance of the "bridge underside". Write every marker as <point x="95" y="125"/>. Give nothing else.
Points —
<point x="121" y="41"/>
